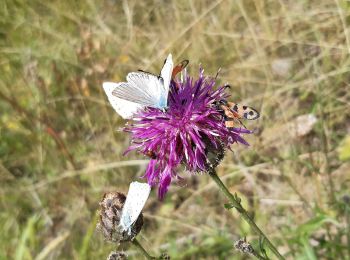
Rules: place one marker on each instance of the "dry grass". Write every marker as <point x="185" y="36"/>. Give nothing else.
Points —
<point x="61" y="149"/>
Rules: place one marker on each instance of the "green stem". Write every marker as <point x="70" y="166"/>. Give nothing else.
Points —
<point x="244" y="214"/>
<point x="143" y="251"/>
<point x="260" y="257"/>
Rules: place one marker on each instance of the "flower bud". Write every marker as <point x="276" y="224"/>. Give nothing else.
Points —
<point x="164" y="256"/>
<point x="243" y="246"/>
<point x="117" y="256"/>
<point x="110" y="213"/>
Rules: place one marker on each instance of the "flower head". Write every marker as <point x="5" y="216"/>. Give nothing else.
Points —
<point x="191" y="131"/>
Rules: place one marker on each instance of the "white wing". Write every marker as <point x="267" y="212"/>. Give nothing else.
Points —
<point x="123" y="107"/>
<point x="143" y="88"/>
<point x="166" y="73"/>
<point x="135" y="200"/>
<point x="147" y="89"/>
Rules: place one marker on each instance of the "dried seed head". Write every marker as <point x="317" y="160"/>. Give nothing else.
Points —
<point x="164" y="256"/>
<point x="243" y="246"/>
<point x="110" y="213"/>
<point x="117" y="256"/>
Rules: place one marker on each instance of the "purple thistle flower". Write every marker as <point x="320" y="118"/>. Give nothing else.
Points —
<point x="191" y="131"/>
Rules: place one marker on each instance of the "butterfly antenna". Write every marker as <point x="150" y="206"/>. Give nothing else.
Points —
<point x="242" y="123"/>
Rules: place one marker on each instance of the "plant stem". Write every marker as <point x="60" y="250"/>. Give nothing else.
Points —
<point x="244" y="214"/>
<point x="260" y="257"/>
<point x="347" y="217"/>
<point x="143" y="251"/>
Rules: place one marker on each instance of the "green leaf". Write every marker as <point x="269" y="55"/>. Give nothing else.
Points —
<point x="306" y="229"/>
<point x="229" y="206"/>
<point x="23" y="250"/>
<point x="308" y="250"/>
<point x="87" y="238"/>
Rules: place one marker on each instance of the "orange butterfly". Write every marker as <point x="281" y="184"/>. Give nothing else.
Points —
<point x="234" y="112"/>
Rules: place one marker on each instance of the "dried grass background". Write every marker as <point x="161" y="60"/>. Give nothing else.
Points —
<point x="61" y="148"/>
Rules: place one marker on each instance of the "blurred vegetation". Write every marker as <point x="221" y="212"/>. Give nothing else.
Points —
<point x="61" y="145"/>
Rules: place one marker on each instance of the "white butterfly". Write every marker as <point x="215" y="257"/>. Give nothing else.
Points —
<point x="135" y="200"/>
<point x="141" y="90"/>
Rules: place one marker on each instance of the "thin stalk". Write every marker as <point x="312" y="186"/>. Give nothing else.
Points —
<point x="258" y="256"/>
<point x="244" y="214"/>
<point x="347" y="217"/>
<point x="325" y="148"/>
<point x="143" y="251"/>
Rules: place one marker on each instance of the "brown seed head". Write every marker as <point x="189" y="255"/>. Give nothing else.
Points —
<point x="117" y="256"/>
<point x="110" y="213"/>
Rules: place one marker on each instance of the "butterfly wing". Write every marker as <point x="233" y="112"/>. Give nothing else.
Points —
<point x="124" y="108"/>
<point x="179" y="67"/>
<point x="251" y="114"/>
<point x="244" y="111"/>
<point x="166" y="73"/>
<point x="135" y="200"/>
<point x="143" y="88"/>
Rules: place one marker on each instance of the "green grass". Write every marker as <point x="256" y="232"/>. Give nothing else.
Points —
<point x="60" y="148"/>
